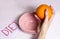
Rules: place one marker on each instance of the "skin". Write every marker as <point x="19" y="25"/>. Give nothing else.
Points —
<point x="41" y="29"/>
<point x="45" y="26"/>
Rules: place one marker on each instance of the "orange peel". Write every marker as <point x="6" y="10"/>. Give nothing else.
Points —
<point x="40" y="11"/>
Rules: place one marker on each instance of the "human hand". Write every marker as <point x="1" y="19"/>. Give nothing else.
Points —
<point x="45" y="26"/>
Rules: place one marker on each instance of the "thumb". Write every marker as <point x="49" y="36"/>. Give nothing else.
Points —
<point x="46" y="16"/>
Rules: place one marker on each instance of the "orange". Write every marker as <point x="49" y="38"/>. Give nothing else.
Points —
<point x="40" y="11"/>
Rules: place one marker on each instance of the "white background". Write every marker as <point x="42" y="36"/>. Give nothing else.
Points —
<point x="11" y="9"/>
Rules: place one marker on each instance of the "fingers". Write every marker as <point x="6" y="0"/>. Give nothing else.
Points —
<point x="52" y="15"/>
<point x="46" y="16"/>
<point x="45" y="24"/>
<point x="51" y="19"/>
<point x="44" y="27"/>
